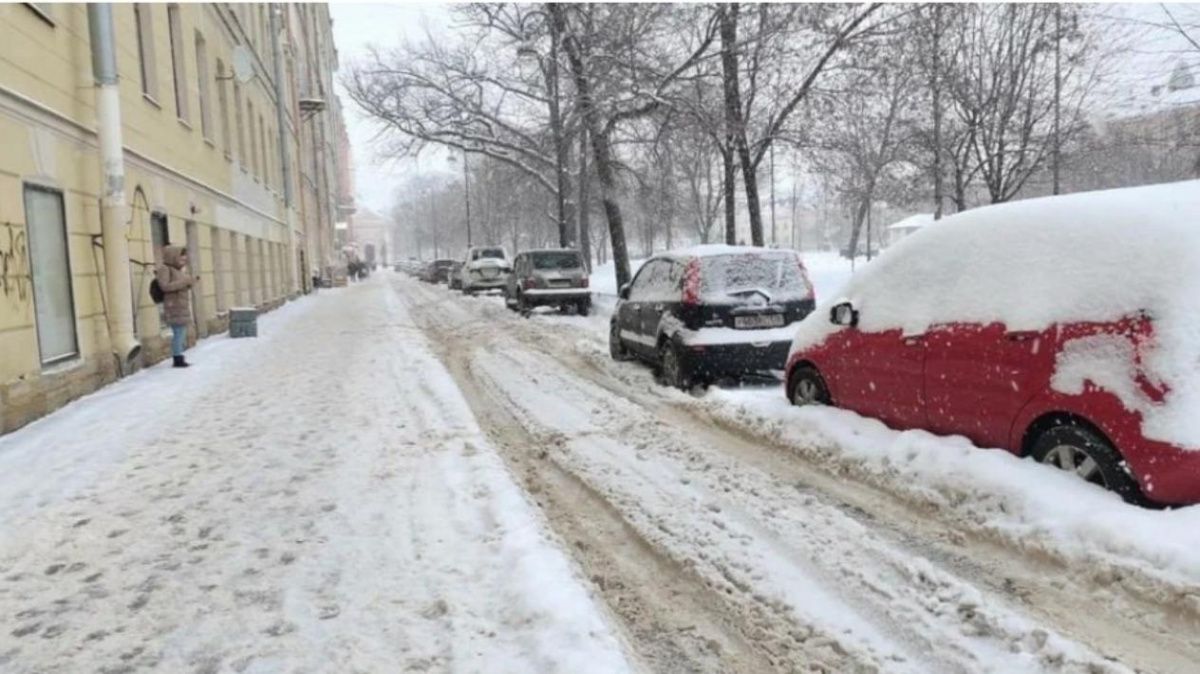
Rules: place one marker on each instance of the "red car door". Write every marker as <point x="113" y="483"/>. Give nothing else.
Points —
<point x="978" y="377"/>
<point x="879" y="374"/>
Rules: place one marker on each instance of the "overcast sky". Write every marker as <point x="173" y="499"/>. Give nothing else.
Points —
<point x="354" y="27"/>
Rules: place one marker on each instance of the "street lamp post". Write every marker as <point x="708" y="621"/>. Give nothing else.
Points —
<point x="432" y="223"/>
<point x="466" y="190"/>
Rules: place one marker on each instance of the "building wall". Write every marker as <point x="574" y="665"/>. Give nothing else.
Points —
<point x="221" y="196"/>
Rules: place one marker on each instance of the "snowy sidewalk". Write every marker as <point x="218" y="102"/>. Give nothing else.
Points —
<point x="319" y="499"/>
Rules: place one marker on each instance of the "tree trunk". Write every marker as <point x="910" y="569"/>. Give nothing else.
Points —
<point x="601" y="149"/>
<point x="732" y="108"/>
<point x="729" y="185"/>
<point x="565" y="235"/>
<point x="750" y="178"/>
<point x="584" y="212"/>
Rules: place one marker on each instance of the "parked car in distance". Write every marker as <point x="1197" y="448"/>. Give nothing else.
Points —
<point x="551" y="277"/>
<point x="1060" y="328"/>
<point x="484" y="268"/>
<point x="437" y="271"/>
<point x="712" y="311"/>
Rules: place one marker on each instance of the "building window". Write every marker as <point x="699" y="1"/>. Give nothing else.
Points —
<point x="54" y="303"/>
<point x="202" y="80"/>
<point x="145" y="43"/>
<point x="252" y="140"/>
<point x="237" y="118"/>
<point x="266" y="163"/>
<point x="223" y="104"/>
<point x="178" y="67"/>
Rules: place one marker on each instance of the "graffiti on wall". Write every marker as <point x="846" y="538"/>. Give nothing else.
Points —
<point x="14" y="263"/>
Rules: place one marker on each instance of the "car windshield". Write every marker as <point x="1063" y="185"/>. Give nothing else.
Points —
<point x="495" y="253"/>
<point x="563" y="260"/>
<point x="777" y="274"/>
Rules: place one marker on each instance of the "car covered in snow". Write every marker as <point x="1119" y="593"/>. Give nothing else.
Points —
<point x="711" y="311"/>
<point x="552" y="277"/>
<point x="484" y="268"/>
<point x="1062" y="328"/>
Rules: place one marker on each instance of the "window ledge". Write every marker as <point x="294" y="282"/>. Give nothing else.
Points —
<point x="151" y="100"/>
<point x="184" y="123"/>
<point x="209" y="142"/>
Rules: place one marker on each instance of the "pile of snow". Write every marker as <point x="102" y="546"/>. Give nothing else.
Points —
<point x="1019" y="501"/>
<point x="1098" y="256"/>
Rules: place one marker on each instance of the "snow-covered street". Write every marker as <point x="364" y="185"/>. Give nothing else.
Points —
<point x="398" y="478"/>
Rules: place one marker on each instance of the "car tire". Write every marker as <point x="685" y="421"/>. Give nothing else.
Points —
<point x="522" y="306"/>
<point x="584" y="308"/>
<point x="616" y="348"/>
<point x="807" y="387"/>
<point x="671" y="371"/>
<point x="1078" y="449"/>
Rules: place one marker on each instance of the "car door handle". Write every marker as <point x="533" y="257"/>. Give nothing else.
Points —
<point x="1020" y="335"/>
<point x="914" y="341"/>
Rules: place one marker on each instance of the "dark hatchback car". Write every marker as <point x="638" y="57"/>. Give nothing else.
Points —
<point x="437" y="271"/>
<point x="712" y="311"/>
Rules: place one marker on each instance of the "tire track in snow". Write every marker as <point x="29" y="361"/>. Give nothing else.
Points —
<point x="926" y="575"/>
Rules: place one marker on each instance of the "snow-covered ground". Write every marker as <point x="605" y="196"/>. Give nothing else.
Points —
<point x="399" y="478"/>
<point x="318" y="499"/>
<point x="676" y="466"/>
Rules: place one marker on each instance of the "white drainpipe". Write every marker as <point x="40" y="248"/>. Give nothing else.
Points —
<point x="112" y="200"/>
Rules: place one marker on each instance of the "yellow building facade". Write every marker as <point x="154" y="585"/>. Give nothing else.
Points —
<point x="204" y="164"/>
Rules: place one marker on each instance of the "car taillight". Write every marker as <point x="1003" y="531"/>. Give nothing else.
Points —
<point x="584" y="282"/>
<point x="529" y="284"/>
<point x="691" y="282"/>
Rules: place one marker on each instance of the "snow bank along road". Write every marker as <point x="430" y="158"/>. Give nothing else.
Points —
<point x="394" y="478"/>
<point x="719" y="548"/>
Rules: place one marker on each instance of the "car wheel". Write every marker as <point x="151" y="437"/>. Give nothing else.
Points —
<point x="523" y="306"/>
<point x="670" y="367"/>
<point x="584" y="308"/>
<point x="807" y="387"/>
<point x="616" y="348"/>
<point x="1088" y="455"/>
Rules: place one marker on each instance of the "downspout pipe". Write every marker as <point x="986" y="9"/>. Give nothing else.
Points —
<point x="284" y="151"/>
<point x="117" y="277"/>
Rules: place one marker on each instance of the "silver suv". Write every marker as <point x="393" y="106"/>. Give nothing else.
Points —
<point x="485" y="268"/>
<point x="551" y="277"/>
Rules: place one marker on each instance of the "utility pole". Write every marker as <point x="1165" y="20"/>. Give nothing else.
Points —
<point x="429" y="202"/>
<point x="1057" y="95"/>
<point x="774" y="239"/>
<point x="118" y="280"/>
<point x="467" y="194"/>
<point x="937" y="112"/>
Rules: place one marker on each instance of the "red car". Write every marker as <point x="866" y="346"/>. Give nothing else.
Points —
<point x="1061" y="328"/>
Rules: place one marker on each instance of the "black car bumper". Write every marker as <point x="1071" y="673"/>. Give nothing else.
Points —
<point x="556" y="297"/>
<point x="715" y="360"/>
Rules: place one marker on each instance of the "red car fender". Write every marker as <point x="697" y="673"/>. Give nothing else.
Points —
<point x="1098" y="408"/>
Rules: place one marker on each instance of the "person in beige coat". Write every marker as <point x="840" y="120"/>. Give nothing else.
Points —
<point x="176" y="284"/>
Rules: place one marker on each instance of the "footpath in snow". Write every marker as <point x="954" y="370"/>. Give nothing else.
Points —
<point x="318" y="499"/>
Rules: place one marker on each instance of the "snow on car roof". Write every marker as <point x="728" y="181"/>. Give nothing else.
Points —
<point x="1093" y="256"/>
<point x="715" y="249"/>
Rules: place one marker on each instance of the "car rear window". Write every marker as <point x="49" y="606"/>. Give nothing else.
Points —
<point x="563" y="260"/>
<point x="777" y="274"/>
<point x="497" y="253"/>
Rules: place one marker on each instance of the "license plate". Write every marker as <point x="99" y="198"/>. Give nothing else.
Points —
<point x="759" y="321"/>
<point x="559" y="283"/>
<point x="490" y="273"/>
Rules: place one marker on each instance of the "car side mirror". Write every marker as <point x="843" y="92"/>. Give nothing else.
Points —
<point x="624" y="292"/>
<point x="844" y="314"/>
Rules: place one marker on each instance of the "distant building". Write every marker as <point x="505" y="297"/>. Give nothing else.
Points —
<point x="206" y="165"/>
